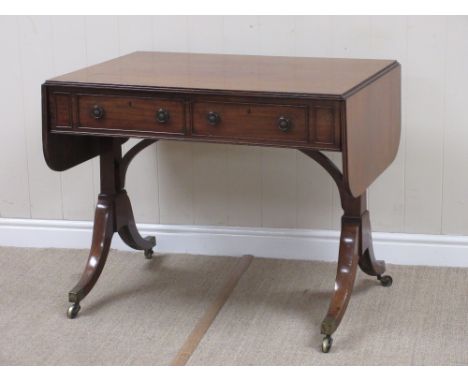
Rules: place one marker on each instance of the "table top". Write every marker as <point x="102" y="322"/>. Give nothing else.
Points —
<point x="334" y="77"/>
<point x="348" y="105"/>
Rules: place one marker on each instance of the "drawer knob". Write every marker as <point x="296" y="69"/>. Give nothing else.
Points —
<point x="162" y="116"/>
<point x="284" y="124"/>
<point x="213" y="118"/>
<point x="97" y="112"/>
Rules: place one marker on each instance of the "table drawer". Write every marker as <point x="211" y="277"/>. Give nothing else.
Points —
<point x="131" y="114"/>
<point x="250" y="121"/>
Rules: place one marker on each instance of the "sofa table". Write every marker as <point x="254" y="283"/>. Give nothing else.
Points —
<point x="309" y="104"/>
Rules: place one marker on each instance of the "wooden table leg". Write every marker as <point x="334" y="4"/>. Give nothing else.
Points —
<point x="102" y="236"/>
<point x="355" y="249"/>
<point x="113" y="214"/>
<point x="127" y="228"/>
<point x="125" y="220"/>
<point x="367" y="261"/>
<point x="345" y="276"/>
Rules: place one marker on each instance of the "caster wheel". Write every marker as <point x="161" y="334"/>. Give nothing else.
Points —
<point x="149" y="254"/>
<point x="327" y="344"/>
<point x="73" y="310"/>
<point x="386" y="281"/>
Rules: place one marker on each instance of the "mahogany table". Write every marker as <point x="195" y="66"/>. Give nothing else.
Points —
<point x="307" y="104"/>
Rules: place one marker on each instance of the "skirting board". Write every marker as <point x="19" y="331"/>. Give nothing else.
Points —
<point x="394" y="248"/>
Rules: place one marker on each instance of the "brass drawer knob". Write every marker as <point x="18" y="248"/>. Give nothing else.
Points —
<point x="97" y="112"/>
<point x="284" y="124"/>
<point x="162" y="116"/>
<point x="213" y="118"/>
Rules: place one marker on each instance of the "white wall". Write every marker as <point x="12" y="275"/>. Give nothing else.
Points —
<point x="424" y="191"/>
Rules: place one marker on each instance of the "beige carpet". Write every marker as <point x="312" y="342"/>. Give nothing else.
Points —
<point x="141" y="312"/>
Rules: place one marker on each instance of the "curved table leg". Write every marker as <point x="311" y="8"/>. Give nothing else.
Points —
<point x="345" y="276"/>
<point x="367" y="261"/>
<point x="127" y="228"/>
<point x="102" y="236"/>
<point x="113" y="214"/>
<point x="355" y="249"/>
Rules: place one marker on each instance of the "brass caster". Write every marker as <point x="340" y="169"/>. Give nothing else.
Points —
<point x="327" y="343"/>
<point x="73" y="310"/>
<point x="386" y="281"/>
<point x="149" y="254"/>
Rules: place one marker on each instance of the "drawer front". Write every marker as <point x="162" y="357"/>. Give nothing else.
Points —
<point x="131" y="114"/>
<point x="253" y="122"/>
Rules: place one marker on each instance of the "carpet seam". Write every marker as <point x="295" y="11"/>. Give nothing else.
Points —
<point x="204" y="323"/>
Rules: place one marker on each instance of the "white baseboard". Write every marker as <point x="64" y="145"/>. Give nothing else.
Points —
<point x="395" y="248"/>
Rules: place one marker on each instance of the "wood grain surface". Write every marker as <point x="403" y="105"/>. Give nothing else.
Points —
<point x="327" y="76"/>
